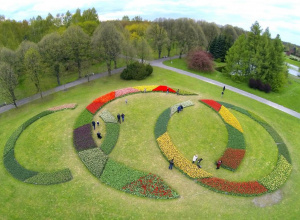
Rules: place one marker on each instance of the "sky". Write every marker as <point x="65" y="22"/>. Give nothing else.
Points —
<point x="281" y="17"/>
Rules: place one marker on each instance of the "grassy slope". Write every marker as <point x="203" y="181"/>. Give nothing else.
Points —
<point x="286" y="97"/>
<point x="85" y="197"/>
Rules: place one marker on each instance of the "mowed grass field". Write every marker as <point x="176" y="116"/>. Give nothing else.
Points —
<point x="47" y="145"/>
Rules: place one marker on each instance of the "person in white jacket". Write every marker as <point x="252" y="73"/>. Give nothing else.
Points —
<point x="195" y="158"/>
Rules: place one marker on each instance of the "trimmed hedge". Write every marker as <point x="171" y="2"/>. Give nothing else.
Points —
<point x="162" y="123"/>
<point x="36" y="117"/>
<point x="84" y="118"/>
<point x="15" y="169"/>
<point x="278" y="176"/>
<point x="111" y="137"/>
<point x="94" y="159"/>
<point x="60" y="176"/>
<point x="118" y="175"/>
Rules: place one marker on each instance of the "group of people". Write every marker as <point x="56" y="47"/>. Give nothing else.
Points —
<point x="195" y="159"/>
<point x="94" y="125"/>
<point x="121" y="116"/>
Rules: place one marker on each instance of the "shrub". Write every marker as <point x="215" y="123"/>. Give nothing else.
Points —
<point x="258" y="84"/>
<point x="94" y="159"/>
<point x="111" y="137"/>
<point x="252" y="83"/>
<point x="267" y="88"/>
<point x="200" y="60"/>
<point x="57" y="177"/>
<point x="136" y="71"/>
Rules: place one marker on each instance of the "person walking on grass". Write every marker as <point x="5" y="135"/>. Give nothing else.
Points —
<point x="122" y="116"/>
<point x="219" y="164"/>
<point x="224" y="89"/>
<point x="119" y="118"/>
<point x="198" y="163"/>
<point x="94" y="124"/>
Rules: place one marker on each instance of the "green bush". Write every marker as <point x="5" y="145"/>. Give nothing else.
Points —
<point x="278" y="176"/>
<point x="118" y="175"/>
<point x="111" y="137"/>
<point x="57" y="177"/>
<point x="94" y="159"/>
<point x="136" y="71"/>
<point x="15" y="169"/>
<point x="162" y="123"/>
<point x="85" y="117"/>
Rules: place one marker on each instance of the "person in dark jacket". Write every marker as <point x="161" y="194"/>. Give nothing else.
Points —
<point x="171" y="164"/>
<point x="94" y="124"/>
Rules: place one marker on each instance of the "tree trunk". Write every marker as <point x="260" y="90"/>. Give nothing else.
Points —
<point x="79" y="69"/>
<point x="180" y="55"/>
<point x="159" y="53"/>
<point x="56" y="69"/>
<point x="108" y="64"/>
<point x="115" y="63"/>
<point x="169" y="50"/>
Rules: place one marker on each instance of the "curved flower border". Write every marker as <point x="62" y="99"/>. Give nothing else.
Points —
<point x="235" y="150"/>
<point x="29" y="176"/>
<point x="269" y="183"/>
<point x="96" y="158"/>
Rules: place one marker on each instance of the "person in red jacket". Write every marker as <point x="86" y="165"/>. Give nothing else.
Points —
<point x="219" y="164"/>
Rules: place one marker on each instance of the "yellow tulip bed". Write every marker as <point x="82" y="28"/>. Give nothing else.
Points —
<point x="168" y="148"/>
<point x="148" y="88"/>
<point x="230" y="119"/>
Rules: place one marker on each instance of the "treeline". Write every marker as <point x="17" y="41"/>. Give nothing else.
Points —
<point x="76" y="41"/>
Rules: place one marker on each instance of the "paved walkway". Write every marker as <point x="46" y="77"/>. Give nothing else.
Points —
<point x="157" y="63"/>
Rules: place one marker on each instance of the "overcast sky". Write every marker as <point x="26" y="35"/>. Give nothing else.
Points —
<point x="282" y="17"/>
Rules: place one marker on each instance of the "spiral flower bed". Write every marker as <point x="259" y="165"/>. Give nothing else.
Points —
<point x="96" y="159"/>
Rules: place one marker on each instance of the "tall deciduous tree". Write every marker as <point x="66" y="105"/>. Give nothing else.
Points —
<point x="21" y="51"/>
<point x="158" y="36"/>
<point x="144" y="51"/>
<point x="32" y="62"/>
<point x="8" y="83"/>
<point x="52" y="52"/>
<point x="186" y="35"/>
<point x="107" y="41"/>
<point x="77" y="46"/>
<point x="211" y="30"/>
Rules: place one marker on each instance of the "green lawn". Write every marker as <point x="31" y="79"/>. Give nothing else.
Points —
<point x="47" y="146"/>
<point x="294" y="62"/>
<point x="287" y="96"/>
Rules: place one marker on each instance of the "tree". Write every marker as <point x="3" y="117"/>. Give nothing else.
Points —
<point x="9" y="56"/>
<point x="21" y="51"/>
<point x="90" y="15"/>
<point x="32" y="62"/>
<point x="169" y="26"/>
<point x="143" y="49"/>
<point x="8" y="83"/>
<point x="67" y="19"/>
<point x="77" y="46"/>
<point x="52" y="53"/>
<point x="107" y="41"/>
<point x="200" y="60"/>
<point x="157" y="36"/>
<point x="211" y="30"/>
<point x="186" y="35"/>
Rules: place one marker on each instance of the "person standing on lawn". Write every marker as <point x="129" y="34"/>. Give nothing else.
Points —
<point x="119" y="118"/>
<point x="94" y="124"/>
<point x="123" y="116"/>
<point x="171" y="164"/>
<point x="219" y="164"/>
<point x="195" y="158"/>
